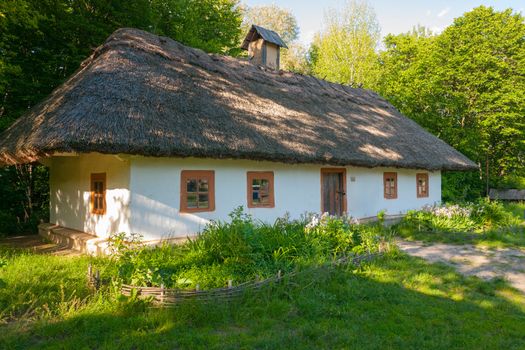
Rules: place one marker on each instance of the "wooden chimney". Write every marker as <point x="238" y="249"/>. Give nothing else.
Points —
<point x="263" y="47"/>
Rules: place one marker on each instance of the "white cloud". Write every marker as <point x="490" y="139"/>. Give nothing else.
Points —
<point x="443" y="12"/>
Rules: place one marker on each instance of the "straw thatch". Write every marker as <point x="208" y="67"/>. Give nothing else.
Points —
<point x="147" y="95"/>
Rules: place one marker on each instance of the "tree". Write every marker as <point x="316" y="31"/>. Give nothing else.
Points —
<point x="482" y="69"/>
<point x="211" y="25"/>
<point x="344" y="51"/>
<point x="295" y="59"/>
<point x="272" y="17"/>
<point x="467" y="86"/>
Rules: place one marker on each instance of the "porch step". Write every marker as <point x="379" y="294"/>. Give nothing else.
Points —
<point x="90" y="244"/>
<point x="80" y="241"/>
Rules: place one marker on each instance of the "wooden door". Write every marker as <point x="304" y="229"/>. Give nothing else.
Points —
<point x="333" y="191"/>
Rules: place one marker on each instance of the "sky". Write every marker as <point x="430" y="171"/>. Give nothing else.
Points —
<point x="393" y="16"/>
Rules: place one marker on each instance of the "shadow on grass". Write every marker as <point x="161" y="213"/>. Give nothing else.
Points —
<point x="511" y="237"/>
<point x="392" y="303"/>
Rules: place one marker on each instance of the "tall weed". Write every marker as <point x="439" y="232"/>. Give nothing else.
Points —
<point x="243" y="248"/>
<point x="480" y="216"/>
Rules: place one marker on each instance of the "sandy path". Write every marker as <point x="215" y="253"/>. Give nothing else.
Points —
<point x="470" y="260"/>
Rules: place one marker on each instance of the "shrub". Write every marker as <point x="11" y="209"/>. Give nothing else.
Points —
<point x="8" y="224"/>
<point x="470" y="217"/>
<point x="244" y="248"/>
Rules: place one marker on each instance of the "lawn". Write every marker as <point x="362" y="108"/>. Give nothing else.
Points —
<point x="445" y="230"/>
<point x="392" y="302"/>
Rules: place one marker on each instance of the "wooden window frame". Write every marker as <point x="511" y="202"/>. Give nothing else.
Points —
<point x="425" y="177"/>
<point x="334" y="170"/>
<point x="197" y="174"/>
<point x="263" y="175"/>
<point x="386" y="176"/>
<point x="97" y="177"/>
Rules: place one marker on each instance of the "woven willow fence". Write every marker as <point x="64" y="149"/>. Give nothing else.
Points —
<point x="166" y="297"/>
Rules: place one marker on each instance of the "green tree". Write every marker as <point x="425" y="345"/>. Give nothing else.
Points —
<point x="467" y="86"/>
<point x="211" y="25"/>
<point x="345" y="50"/>
<point x="295" y="59"/>
<point x="273" y="17"/>
<point x="482" y="69"/>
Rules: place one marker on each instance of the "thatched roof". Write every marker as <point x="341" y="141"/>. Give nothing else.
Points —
<point x="147" y="95"/>
<point x="257" y="32"/>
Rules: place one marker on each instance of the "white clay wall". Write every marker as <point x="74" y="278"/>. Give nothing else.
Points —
<point x="155" y="192"/>
<point x="70" y="190"/>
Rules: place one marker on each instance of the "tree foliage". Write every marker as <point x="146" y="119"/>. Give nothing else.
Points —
<point x="345" y="50"/>
<point x="211" y="25"/>
<point x="467" y="86"/>
<point x="295" y="59"/>
<point x="273" y="17"/>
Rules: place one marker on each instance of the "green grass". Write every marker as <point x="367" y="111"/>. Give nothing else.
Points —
<point x="492" y="236"/>
<point x="501" y="238"/>
<point x="394" y="302"/>
<point x="242" y="249"/>
<point x="36" y="286"/>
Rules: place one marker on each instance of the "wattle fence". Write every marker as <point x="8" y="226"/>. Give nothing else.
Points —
<point x="167" y="297"/>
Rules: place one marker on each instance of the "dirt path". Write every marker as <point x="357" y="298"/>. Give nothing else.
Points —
<point x="471" y="260"/>
<point x="37" y="244"/>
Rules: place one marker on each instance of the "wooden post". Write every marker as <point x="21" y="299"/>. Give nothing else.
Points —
<point x="97" y="279"/>
<point x="197" y="287"/>
<point x="487" y="177"/>
<point x="279" y="275"/>
<point x="162" y="293"/>
<point x="90" y="275"/>
<point x="230" y="284"/>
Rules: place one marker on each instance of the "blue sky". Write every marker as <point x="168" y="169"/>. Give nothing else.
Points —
<point x="393" y="16"/>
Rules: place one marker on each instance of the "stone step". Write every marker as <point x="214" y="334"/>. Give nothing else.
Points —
<point x="90" y="244"/>
<point x="81" y="241"/>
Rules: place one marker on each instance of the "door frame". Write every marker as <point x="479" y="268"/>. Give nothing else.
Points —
<point x="331" y="171"/>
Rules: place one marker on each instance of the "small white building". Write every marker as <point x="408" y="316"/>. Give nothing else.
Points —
<point x="156" y="138"/>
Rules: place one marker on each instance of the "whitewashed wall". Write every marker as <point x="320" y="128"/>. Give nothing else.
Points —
<point x="365" y="194"/>
<point x="155" y="192"/>
<point x="70" y="193"/>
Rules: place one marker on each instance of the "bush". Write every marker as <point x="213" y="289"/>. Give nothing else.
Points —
<point x="8" y="224"/>
<point x="470" y="217"/>
<point x="242" y="249"/>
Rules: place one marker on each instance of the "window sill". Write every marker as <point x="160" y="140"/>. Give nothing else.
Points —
<point x="196" y="210"/>
<point x="270" y="206"/>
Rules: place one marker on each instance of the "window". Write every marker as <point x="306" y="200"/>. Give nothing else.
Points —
<point x="390" y="185"/>
<point x="422" y="185"/>
<point x="260" y="189"/>
<point x="98" y="194"/>
<point x="197" y="191"/>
